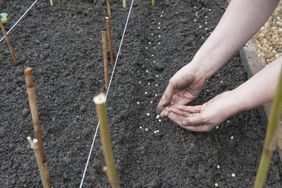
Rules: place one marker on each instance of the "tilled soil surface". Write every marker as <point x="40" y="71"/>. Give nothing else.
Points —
<point x="63" y="46"/>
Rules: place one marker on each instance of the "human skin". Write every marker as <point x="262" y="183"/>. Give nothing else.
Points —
<point x="240" y="22"/>
<point x="258" y="90"/>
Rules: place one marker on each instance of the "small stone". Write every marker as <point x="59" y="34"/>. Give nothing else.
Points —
<point x="195" y="7"/>
<point x="232" y="137"/>
<point x="218" y="166"/>
<point x="148" y="114"/>
<point x="160" y="120"/>
<point x="146" y="129"/>
<point x="146" y="92"/>
<point x="206" y="23"/>
<point x="209" y="9"/>
<point x="233" y="175"/>
<point x="159" y="36"/>
<point x="152" y="34"/>
<point x="216" y="184"/>
<point x="159" y="27"/>
<point x="156" y="85"/>
<point x="154" y="47"/>
<point x="138" y="102"/>
<point x="153" y="55"/>
<point x="149" y="42"/>
<point x="206" y="29"/>
<point x="159" y="43"/>
<point x="161" y="15"/>
<point x="200" y="26"/>
<point x="221" y="81"/>
<point x="156" y="95"/>
<point x="140" y="127"/>
<point x="158" y="116"/>
<point x="139" y="82"/>
<point x="151" y="102"/>
<point x="195" y="20"/>
<point x="206" y="16"/>
<point x="157" y="76"/>
<point x="146" y="48"/>
<point x="149" y="83"/>
<point x="159" y="23"/>
<point x="25" y="112"/>
<point x="217" y="127"/>
<point x="147" y="71"/>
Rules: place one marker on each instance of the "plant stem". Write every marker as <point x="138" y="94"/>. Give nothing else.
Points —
<point x="110" y="168"/>
<point x="34" y="111"/>
<point x="108" y="8"/>
<point x="43" y="169"/>
<point x="105" y="57"/>
<point x="270" y="139"/>
<point x="124" y="3"/>
<point x="154" y="2"/>
<point x="109" y="33"/>
<point x="8" y="41"/>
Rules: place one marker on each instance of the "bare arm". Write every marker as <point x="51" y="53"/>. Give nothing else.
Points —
<point x="240" y="22"/>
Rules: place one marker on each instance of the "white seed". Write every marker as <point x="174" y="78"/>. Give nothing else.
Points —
<point x="151" y="102"/>
<point x="157" y="76"/>
<point x="218" y="166"/>
<point x="195" y="20"/>
<point x="146" y="129"/>
<point x="148" y="114"/>
<point x="159" y="27"/>
<point x="139" y="82"/>
<point x="147" y="70"/>
<point x="221" y="81"/>
<point x="228" y="121"/>
<point x="209" y="9"/>
<point x="154" y="61"/>
<point x="202" y="37"/>
<point x="233" y="175"/>
<point x="195" y="7"/>
<point x="206" y="29"/>
<point x="159" y="23"/>
<point x="159" y="43"/>
<point x="200" y="26"/>
<point x="141" y="127"/>
<point x="156" y="95"/>
<point x="206" y="16"/>
<point x="146" y="92"/>
<point x="157" y="131"/>
<point x="152" y="34"/>
<point x="149" y="83"/>
<point x="138" y="102"/>
<point x="156" y="85"/>
<point x="158" y="116"/>
<point x="162" y="11"/>
<point x="232" y="137"/>
<point x="161" y="15"/>
<point x="153" y="55"/>
<point x="149" y="42"/>
<point x="160" y="120"/>
<point x="159" y="36"/>
<point x="154" y="47"/>
<point x="146" y="48"/>
<point x="206" y="23"/>
<point x="216" y="184"/>
<point x="217" y="127"/>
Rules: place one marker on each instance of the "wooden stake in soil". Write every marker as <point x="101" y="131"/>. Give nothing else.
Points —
<point x="43" y="169"/>
<point x="51" y="2"/>
<point x="124" y="3"/>
<point x="105" y="56"/>
<point x="110" y="168"/>
<point x="108" y="8"/>
<point x="110" y="41"/>
<point x="8" y="41"/>
<point x="34" y="112"/>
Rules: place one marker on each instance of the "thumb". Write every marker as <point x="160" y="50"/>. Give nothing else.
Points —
<point x="166" y="98"/>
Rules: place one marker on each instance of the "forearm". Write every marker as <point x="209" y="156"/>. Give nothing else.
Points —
<point x="259" y="89"/>
<point x="240" y="22"/>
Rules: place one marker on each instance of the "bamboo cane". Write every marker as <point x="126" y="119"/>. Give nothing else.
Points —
<point x="270" y="143"/>
<point x="110" y="168"/>
<point x="43" y="169"/>
<point x="108" y="8"/>
<point x="8" y="41"/>
<point x="124" y="3"/>
<point x="51" y="2"/>
<point x="109" y="33"/>
<point x="34" y="111"/>
<point x="105" y="57"/>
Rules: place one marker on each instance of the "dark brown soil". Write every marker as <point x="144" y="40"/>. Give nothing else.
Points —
<point x="63" y="46"/>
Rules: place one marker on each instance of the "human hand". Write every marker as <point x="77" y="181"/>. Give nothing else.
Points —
<point x="183" y="87"/>
<point x="203" y="118"/>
